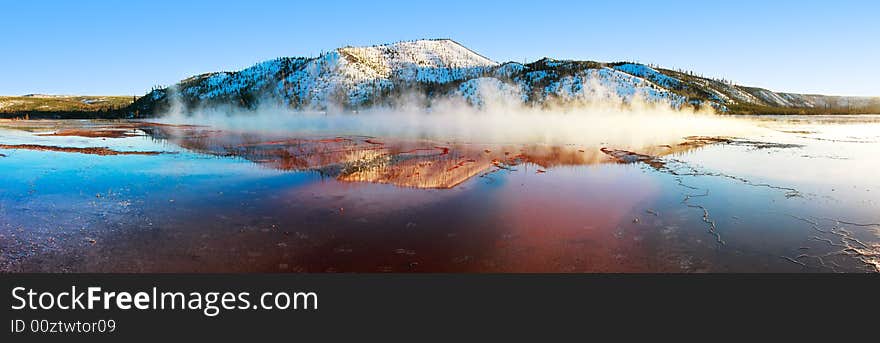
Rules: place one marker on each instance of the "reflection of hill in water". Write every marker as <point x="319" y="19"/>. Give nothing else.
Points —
<point x="419" y="164"/>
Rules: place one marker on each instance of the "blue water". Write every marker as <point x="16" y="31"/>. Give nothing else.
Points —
<point x="788" y="209"/>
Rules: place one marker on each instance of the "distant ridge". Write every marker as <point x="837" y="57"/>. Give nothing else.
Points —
<point x="64" y="106"/>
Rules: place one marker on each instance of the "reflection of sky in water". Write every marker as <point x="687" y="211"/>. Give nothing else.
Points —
<point x="187" y="211"/>
<point x="60" y="172"/>
<point x="835" y="167"/>
<point x="142" y="143"/>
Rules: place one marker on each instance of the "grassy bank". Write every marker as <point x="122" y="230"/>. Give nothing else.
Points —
<point x="111" y="107"/>
<point x="54" y="106"/>
<point x="756" y="109"/>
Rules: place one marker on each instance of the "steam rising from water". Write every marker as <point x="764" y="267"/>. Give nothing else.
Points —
<point x="597" y="119"/>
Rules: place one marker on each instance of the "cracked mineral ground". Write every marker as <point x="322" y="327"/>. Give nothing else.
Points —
<point x="797" y="194"/>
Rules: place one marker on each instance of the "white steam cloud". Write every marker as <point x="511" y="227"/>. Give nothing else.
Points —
<point x="491" y="115"/>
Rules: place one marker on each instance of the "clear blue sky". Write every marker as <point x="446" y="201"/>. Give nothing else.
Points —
<point x="125" y="47"/>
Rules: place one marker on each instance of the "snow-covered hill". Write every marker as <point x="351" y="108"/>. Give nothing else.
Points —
<point x="429" y="70"/>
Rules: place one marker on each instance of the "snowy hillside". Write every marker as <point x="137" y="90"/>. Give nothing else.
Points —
<point x="360" y="77"/>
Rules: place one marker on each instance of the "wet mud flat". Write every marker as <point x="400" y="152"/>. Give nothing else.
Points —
<point x="183" y="198"/>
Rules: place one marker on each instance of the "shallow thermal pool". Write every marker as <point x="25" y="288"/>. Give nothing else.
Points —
<point x="801" y="194"/>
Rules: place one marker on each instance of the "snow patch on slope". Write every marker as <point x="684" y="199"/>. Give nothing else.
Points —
<point x="650" y="74"/>
<point x="354" y="75"/>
